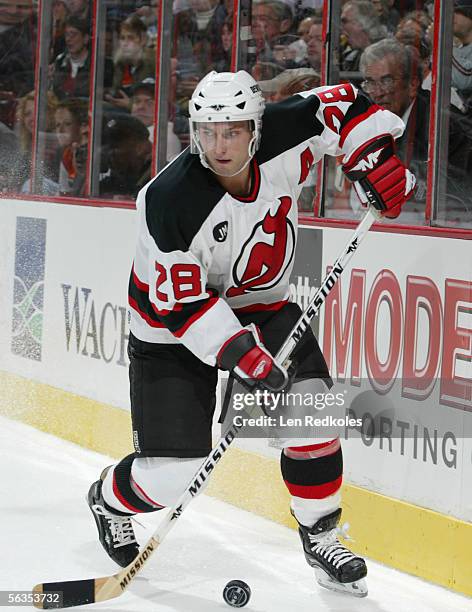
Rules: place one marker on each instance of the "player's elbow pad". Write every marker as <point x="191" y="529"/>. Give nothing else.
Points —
<point x="380" y="178"/>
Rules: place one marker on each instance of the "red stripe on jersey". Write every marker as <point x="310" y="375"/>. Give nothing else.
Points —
<point x="261" y="307"/>
<point x="315" y="491"/>
<point x="196" y="315"/>
<point x="144" y="494"/>
<point x="163" y="312"/>
<point x="134" y="305"/>
<point x="255" y="188"/>
<point x="350" y="125"/>
<point x="120" y="497"/>
<point x="139" y="283"/>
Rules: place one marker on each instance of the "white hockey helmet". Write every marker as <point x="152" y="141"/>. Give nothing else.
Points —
<point x="226" y="96"/>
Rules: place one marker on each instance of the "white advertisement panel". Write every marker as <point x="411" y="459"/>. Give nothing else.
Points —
<point x="64" y="277"/>
<point x="397" y="335"/>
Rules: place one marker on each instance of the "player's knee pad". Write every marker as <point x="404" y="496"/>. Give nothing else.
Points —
<point x="162" y="480"/>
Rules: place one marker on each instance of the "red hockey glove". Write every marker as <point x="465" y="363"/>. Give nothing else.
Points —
<point x="380" y="178"/>
<point x="251" y="363"/>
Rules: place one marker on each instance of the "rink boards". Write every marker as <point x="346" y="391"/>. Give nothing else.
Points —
<point x="397" y="334"/>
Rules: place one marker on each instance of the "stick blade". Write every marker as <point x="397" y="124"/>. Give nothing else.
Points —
<point x="75" y="592"/>
<point x="71" y="593"/>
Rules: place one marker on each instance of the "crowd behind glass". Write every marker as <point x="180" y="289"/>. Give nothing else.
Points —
<point x="385" y="48"/>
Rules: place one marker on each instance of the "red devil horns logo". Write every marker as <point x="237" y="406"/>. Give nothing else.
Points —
<point x="266" y="255"/>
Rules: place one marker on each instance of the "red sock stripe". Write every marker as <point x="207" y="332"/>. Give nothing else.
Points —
<point x="311" y="447"/>
<point x="144" y="494"/>
<point x="315" y="491"/>
<point x="313" y="451"/>
<point x="120" y="497"/>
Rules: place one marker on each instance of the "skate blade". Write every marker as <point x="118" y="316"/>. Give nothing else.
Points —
<point x="358" y="588"/>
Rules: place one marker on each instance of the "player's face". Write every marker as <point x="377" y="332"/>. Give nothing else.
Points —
<point x="226" y="145"/>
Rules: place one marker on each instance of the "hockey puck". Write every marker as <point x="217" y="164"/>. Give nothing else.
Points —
<point x="236" y="593"/>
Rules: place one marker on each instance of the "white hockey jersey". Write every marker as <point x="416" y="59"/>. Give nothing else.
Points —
<point x="203" y="255"/>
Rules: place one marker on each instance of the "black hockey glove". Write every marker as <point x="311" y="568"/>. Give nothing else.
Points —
<point x="380" y="178"/>
<point x="251" y="363"/>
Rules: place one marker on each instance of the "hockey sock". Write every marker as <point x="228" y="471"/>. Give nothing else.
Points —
<point x="313" y="476"/>
<point x="162" y="480"/>
<point x="118" y="492"/>
<point x="146" y="484"/>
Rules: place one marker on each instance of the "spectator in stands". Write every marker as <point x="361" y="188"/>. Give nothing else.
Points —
<point x="198" y="43"/>
<point x="264" y="71"/>
<point x="17" y="47"/>
<point x="198" y="48"/>
<point x="79" y="9"/>
<point x="289" y="82"/>
<point x="58" y="26"/>
<point x="387" y="13"/>
<point x="462" y="55"/>
<point x="71" y="127"/>
<point x="71" y="69"/>
<point x="207" y="23"/>
<point x="392" y="79"/>
<point x="142" y="107"/>
<point x="134" y="61"/>
<point x="361" y="26"/>
<point x="129" y="156"/>
<point x="412" y="30"/>
<point x="47" y="166"/>
<point x="303" y="29"/>
<point x="315" y="43"/>
<point x="147" y="12"/>
<point x="224" y="64"/>
<point x="271" y="21"/>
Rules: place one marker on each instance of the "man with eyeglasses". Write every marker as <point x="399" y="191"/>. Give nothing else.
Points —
<point x="391" y="73"/>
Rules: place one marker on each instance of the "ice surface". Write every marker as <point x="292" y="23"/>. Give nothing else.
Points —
<point x="48" y="534"/>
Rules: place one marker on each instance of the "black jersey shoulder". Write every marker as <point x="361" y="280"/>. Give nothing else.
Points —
<point x="179" y="200"/>
<point x="288" y="123"/>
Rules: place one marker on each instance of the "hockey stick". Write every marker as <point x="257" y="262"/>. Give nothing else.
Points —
<point x="80" y="592"/>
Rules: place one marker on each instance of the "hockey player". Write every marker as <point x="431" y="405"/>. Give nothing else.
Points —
<point x="215" y="248"/>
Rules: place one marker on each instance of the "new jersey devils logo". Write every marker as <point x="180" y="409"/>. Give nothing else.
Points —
<point x="266" y="255"/>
